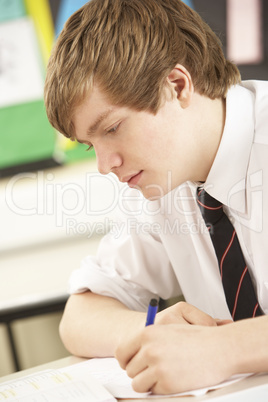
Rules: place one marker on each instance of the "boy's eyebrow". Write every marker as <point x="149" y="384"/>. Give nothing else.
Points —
<point x="93" y="128"/>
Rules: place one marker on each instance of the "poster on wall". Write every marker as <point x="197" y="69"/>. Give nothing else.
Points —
<point x="21" y="71"/>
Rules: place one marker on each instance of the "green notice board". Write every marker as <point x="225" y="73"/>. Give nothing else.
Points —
<point x="26" y="134"/>
<point x="10" y="9"/>
<point x="27" y="140"/>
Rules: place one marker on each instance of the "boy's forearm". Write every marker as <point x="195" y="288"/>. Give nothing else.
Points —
<point x="249" y="344"/>
<point x="92" y="325"/>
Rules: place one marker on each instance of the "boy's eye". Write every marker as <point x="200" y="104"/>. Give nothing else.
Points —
<point x="113" y="129"/>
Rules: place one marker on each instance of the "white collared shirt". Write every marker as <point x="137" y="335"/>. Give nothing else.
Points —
<point x="162" y="248"/>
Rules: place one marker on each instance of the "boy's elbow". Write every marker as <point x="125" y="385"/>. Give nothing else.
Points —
<point x="66" y="337"/>
<point x="72" y="332"/>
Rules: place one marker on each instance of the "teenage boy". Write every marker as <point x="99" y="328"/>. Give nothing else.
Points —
<point x="145" y="82"/>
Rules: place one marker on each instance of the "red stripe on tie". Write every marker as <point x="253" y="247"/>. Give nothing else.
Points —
<point x="205" y="206"/>
<point x="226" y="251"/>
<point x="255" y="309"/>
<point x="238" y="290"/>
<point x="211" y="208"/>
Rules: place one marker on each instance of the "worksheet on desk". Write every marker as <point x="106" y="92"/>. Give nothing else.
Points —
<point x="108" y="372"/>
<point x="55" y="385"/>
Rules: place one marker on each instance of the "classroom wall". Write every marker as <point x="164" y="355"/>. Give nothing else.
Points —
<point x="36" y="338"/>
<point x="38" y="251"/>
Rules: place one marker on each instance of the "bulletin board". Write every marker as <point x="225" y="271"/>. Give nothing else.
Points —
<point x="27" y="140"/>
<point x="250" y="20"/>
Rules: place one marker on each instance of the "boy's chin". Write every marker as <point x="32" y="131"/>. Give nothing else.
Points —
<point x="153" y="192"/>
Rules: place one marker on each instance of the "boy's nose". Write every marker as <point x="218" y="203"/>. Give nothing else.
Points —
<point x="107" y="161"/>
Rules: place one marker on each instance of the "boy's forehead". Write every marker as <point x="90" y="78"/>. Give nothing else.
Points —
<point x="92" y="111"/>
<point x="95" y="106"/>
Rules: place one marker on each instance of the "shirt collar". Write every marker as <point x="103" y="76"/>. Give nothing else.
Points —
<point x="226" y="180"/>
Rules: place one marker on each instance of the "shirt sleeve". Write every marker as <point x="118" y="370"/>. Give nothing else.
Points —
<point x="132" y="267"/>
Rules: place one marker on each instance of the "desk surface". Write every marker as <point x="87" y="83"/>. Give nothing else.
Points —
<point x="253" y="388"/>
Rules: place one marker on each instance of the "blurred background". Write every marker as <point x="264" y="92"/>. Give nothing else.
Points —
<point x="54" y="206"/>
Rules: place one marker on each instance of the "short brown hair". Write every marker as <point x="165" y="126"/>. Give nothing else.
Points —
<point x="129" y="47"/>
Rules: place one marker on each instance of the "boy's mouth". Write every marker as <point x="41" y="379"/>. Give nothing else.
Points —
<point x="132" y="180"/>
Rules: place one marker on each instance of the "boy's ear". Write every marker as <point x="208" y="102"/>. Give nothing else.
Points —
<point x="181" y="82"/>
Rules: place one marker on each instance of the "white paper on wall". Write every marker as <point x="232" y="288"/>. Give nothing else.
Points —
<point x="21" y="72"/>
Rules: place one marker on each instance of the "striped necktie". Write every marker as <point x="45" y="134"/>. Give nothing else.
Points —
<point x="237" y="284"/>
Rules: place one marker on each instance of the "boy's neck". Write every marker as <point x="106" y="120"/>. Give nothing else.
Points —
<point x="212" y="115"/>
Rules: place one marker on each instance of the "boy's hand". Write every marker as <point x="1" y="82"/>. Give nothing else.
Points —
<point x="172" y="358"/>
<point x="184" y="313"/>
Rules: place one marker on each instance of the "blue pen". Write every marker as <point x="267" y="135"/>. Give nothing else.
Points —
<point x="151" y="313"/>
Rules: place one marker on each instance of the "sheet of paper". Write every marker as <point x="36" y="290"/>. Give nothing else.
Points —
<point x="244" y="31"/>
<point x="108" y="372"/>
<point x="21" y="72"/>
<point x="55" y="385"/>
